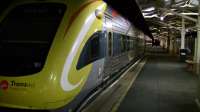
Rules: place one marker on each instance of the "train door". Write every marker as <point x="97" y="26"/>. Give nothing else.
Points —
<point x="109" y="54"/>
<point x="102" y="52"/>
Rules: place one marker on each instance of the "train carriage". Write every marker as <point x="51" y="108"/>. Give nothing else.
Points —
<point x="56" y="53"/>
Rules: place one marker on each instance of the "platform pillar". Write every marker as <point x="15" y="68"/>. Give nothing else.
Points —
<point x="197" y="46"/>
<point x="182" y="49"/>
<point x="197" y="57"/>
<point x="168" y="42"/>
<point x="171" y="47"/>
<point x="183" y="34"/>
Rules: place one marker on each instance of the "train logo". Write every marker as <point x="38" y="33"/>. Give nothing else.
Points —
<point x="4" y="85"/>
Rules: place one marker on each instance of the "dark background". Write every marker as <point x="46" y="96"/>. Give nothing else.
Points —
<point x="4" y="4"/>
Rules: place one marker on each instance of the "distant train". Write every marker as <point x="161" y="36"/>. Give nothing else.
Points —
<point x="55" y="53"/>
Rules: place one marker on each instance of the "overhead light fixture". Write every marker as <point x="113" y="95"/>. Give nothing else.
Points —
<point x="191" y="14"/>
<point x="144" y="14"/>
<point x="162" y="18"/>
<point x="149" y="9"/>
<point x="164" y="27"/>
<point x="151" y="16"/>
<point x="187" y="5"/>
<point x="154" y="28"/>
<point x="173" y="9"/>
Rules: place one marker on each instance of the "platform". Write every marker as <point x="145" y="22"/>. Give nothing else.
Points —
<point x="163" y="85"/>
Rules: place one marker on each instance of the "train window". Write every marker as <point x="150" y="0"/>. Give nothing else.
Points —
<point x="131" y="44"/>
<point x="128" y="43"/>
<point x="91" y="51"/>
<point x="123" y="43"/>
<point x="27" y="32"/>
<point x="116" y="44"/>
<point x="95" y="48"/>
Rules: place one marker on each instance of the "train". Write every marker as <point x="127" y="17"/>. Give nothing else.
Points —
<point x="56" y="53"/>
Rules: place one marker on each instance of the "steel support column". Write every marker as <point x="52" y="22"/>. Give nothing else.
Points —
<point x="182" y="49"/>
<point x="171" y="47"/>
<point x="197" y="45"/>
<point x="183" y="34"/>
<point x="168" y="42"/>
<point x="197" y="57"/>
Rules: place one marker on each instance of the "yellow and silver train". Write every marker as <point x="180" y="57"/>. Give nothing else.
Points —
<point x="55" y="53"/>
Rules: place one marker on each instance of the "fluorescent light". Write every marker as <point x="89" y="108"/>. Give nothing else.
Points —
<point x="151" y="16"/>
<point x="191" y="14"/>
<point x="162" y="18"/>
<point x="149" y="9"/>
<point x="144" y="14"/>
<point x="173" y="9"/>
<point x="187" y="5"/>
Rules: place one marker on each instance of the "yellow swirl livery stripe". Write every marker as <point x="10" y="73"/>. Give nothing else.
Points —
<point x="73" y="17"/>
<point x="65" y="83"/>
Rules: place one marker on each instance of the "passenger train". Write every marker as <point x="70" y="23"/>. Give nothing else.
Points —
<point x="56" y="53"/>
